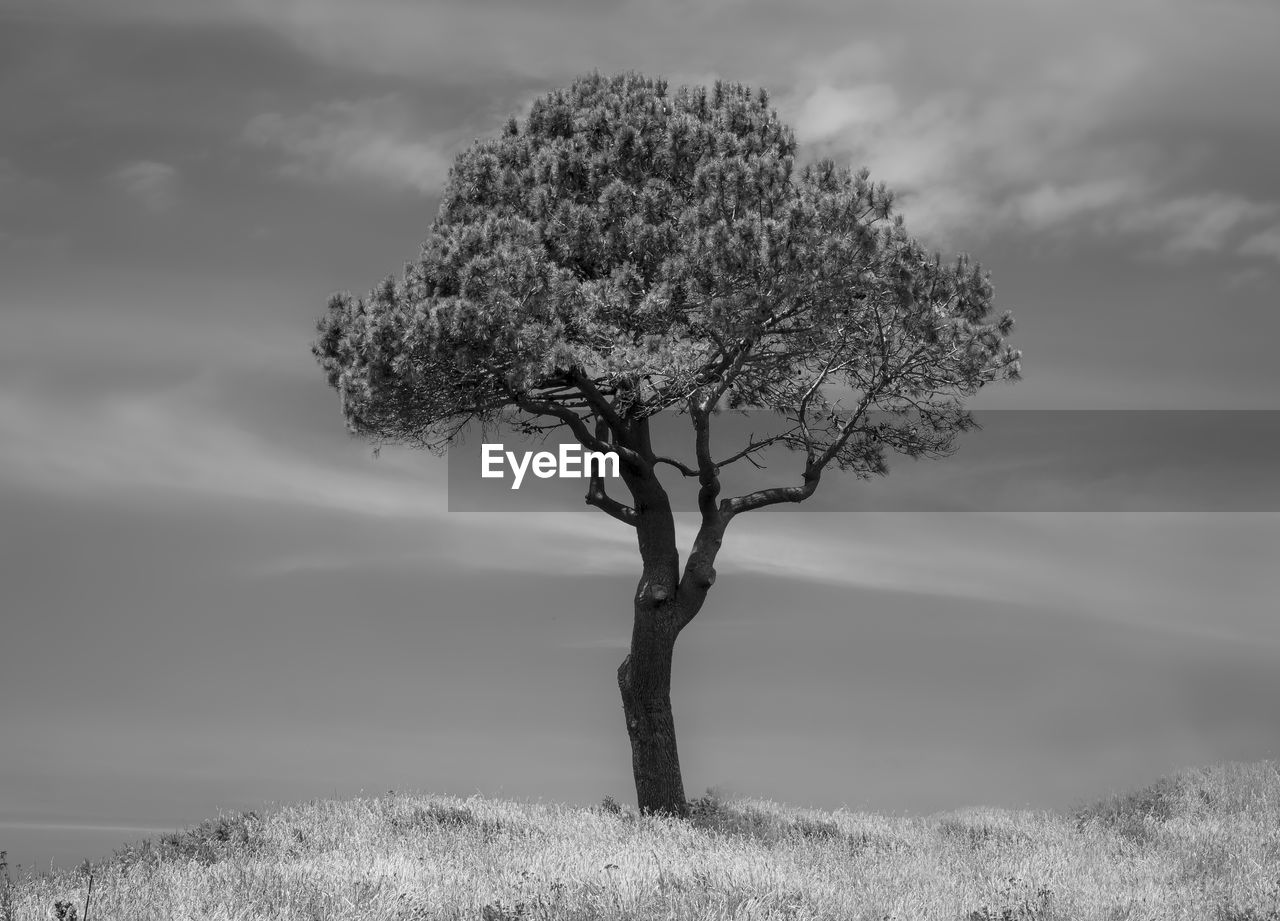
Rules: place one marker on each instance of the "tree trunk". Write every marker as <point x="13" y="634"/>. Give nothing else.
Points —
<point x="663" y="606"/>
<point x="646" y="703"/>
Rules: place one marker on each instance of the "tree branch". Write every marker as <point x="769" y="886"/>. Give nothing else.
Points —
<point x="598" y="401"/>
<point x="597" y="496"/>
<point x="699" y="570"/>
<point x="596" y="493"/>
<point x="708" y="472"/>
<point x="754" y="446"/>
<point x="684" y="468"/>
<point x="773" y="495"/>
<point x="579" y="428"/>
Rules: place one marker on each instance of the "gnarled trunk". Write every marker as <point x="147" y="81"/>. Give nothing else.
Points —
<point x="655" y="762"/>
<point x="664" y="604"/>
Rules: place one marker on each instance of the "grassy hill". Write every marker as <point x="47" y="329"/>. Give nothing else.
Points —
<point x="1202" y="845"/>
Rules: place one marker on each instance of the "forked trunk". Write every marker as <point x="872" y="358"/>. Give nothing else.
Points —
<point x="663" y="606"/>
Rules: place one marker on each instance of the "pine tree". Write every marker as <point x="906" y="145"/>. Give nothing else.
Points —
<point x="625" y="250"/>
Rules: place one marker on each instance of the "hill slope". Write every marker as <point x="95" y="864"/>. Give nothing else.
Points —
<point x="1202" y="845"/>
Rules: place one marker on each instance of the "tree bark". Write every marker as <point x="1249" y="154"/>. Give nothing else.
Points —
<point x="644" y="678"/>
<point x="655" y="761"/>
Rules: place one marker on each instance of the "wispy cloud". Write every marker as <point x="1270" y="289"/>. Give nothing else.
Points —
<point x="184" y="443"/>
<point x="830" y="111"/>
<point x="1196" y="223"/>
<point x="1118" y="573"/>
<point x="1265" y="243"/>
<point x="187" y="443"/>
<point x="180" y="442"/>
<point x="376" y="140"/>
<point x="153" y="184"/>
<point x="1053" y="204"/>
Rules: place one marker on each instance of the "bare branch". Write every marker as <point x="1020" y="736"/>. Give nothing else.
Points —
<point x="773" y="495"/>
<point x="571" y="419"/>
<point x="596" y="493"/>
<point x="708" y="471"/>
<point x="684" y="468"/>
<point x="597" y="496"/>
<point x="754" y="447"/>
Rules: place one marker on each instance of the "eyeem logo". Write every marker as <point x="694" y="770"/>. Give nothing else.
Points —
<point x="570" y="463"/>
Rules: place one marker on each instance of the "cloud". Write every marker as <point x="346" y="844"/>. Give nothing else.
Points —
<point x="186" y="443"/>
<point x="1196" y="223"/>
<point x="1060" y="119"/>
<point x="1051" y="204"/>
<point x="374" y="140"/>
<point x="1026" y="159"/>
<point x="1034" y="560"/>
<point x="972" y="155"/>
<point x="191" y="443"/>
<point x="830" y="111"/>
<point x="151" y="183"/>
<point x="179" y="441"/>
<point x="1044" y="144"/>
<point x="1265" y="243"/>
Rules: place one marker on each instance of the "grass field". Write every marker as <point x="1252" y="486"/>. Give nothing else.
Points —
<point x="1202" y="845"/>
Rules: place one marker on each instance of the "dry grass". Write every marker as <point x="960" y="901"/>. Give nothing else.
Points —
<point x="1201" y="846"/>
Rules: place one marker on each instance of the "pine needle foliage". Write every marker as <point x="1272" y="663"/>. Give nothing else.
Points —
<point x="626" y="249"/>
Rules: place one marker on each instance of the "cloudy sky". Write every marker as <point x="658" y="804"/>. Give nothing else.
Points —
<point x="212" y="598"/>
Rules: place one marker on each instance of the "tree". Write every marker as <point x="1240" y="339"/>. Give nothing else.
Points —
<point x="624" y="250"/>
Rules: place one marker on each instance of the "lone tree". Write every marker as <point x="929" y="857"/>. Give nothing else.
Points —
<point x="625" y="250"/>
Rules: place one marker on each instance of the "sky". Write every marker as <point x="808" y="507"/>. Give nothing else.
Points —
<point x="215" y="599"/>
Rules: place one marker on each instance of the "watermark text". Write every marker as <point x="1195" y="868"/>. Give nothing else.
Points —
<point x="571" y="462"/>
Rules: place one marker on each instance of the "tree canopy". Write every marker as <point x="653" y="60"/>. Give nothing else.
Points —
<point x="624" y="250"/>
